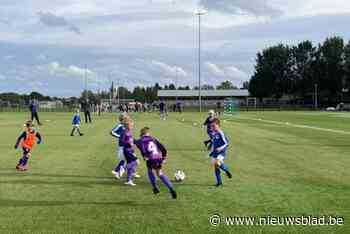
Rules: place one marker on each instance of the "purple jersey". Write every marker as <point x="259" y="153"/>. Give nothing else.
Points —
<point x="151" y="148"/>
<point x="128" y="146"/>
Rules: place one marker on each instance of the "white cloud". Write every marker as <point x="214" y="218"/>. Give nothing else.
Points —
<point x="239" y="7"/>
<point x="236" y="73"/>
<point x="168" y="70"/>
<point x="71" y="70"/>
<point x="215" y="69"/>
<point x="228" y="72"/>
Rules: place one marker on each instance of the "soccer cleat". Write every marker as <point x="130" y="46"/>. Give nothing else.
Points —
<point x="173" y="193"/>
<point x="205" y="143"/>
<point x="17" y="167"/>
<point x="71" y="135"/>
<point x="130" y="183"/>
<point x="116" y="174"/>
<point x="218" y="185"/>
<point x="81" y="134"/>
<point x="229" y="175"/>
<point x="121" y="171"/>
<point x="137" y="176"/>
<point x="21" y="168"/>
<point x="156" y="191"/>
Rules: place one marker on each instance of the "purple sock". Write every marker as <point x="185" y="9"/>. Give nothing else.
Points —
<point x="166" y="181"/>
<point x="20" y="161"/>
<point x="131" y="170"/>
<point x="120" y="164"/>
<point x="152" y="178"/>
<point x="25" y="161"/>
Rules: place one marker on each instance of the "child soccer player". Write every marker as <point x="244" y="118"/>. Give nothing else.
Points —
<point x="76" y="122"/>
<point x="155" y="155"/>
<point x="27" y="140"/>
<point x="209" y="120"/>
<point x="162" y="110"/>
<point x="117" y="132"/>
<point x="129" y="152"/>
<point x="219" y="149"/>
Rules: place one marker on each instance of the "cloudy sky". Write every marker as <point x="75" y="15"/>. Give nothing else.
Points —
<point x="47" y="46"/>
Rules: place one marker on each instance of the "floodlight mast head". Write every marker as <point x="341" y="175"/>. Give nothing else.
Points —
<point x="200" y="12"/>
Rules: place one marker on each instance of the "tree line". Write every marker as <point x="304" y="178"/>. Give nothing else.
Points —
<point x="296" y="73"/>
<point x="139" y="93"/>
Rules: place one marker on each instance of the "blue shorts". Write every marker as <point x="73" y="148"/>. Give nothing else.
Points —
<point x="215" y="154"/>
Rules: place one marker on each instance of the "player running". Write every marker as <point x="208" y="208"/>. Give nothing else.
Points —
<point x="117" y="132"/>
<point x="209" y="120"/>
<point x="27" y="140"/>
<point x="129" y="152"/>
<point x="218" y="153"/>
<point x="76" y="123"/>
<point x="155" y="155"/>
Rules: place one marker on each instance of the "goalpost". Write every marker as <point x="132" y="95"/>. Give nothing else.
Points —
<point x="251" y="102"/>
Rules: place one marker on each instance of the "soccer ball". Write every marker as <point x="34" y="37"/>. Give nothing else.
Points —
<point x="179" y="176"/>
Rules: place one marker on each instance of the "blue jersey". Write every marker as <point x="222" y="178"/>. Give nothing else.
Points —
<point x="219" y="141"/>
<point x="117" y="132"/>
<point x="76" y="120"/>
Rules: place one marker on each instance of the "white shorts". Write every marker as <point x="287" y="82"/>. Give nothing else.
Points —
<point x="219" y="158"/>
<point x="76" y="125"/>
<point x="121" y="153"/>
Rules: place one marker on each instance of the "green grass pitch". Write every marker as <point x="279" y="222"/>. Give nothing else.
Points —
<point x="284" y="164"/>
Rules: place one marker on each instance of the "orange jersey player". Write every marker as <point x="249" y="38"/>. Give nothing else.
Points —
<point x="27" y="139"/>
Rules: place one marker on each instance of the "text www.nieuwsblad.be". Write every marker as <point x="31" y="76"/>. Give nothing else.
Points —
<point x="217" y="220"/>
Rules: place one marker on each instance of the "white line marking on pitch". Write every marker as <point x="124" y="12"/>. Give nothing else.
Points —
<point x="298" y="125"/>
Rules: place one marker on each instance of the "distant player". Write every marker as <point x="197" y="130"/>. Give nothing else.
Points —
<point x="129" y="152"/>
<point x="27" y="140"/>
<point x="209" y="120"/>
<point x="219" y="150"/>
<point x="85" y="105"/>
<point x="33" y="107"/>
<point x="76" y="123"/>
<point x="162" y="110"/>
<point x="155" y="155"/>
<point x="117" y="132"/>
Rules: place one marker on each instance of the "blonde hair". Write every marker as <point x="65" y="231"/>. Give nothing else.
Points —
<point x="144" y="131"/>
<point x="128" y="123"/>
<point x="123" y="117"/>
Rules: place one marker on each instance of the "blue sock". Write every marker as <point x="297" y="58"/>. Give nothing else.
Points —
<point x="120" y="164"/>
<point x="224" y="168"/>
<point x="218" y="176"/>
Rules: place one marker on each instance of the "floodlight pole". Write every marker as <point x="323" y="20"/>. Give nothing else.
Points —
<point x="199" y="13"/>
<point x="316" y="96"/>
<point x="85" y="76"/>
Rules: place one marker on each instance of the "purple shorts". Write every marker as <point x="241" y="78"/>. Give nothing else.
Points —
<point x="155" y="163"/>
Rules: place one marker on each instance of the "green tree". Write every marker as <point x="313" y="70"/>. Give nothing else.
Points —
<point x="226" y="85"/>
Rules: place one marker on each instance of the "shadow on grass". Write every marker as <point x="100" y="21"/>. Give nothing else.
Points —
<point x="16" y="173"/>
<point x="23" y="203"/>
